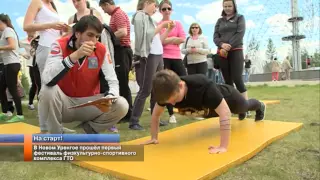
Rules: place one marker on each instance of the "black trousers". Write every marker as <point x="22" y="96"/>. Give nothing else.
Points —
<point x="123" y="62"/>
<point x="232" y="69"/>
<point x="238" y="104"/>
<point x="9" y="80"/>
<point x="177" y="66"/>
<point x="198" y="68"/>
<point x="34" y="74"/>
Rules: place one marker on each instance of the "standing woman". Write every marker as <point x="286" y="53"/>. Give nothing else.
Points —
<point x="9" y="47"/>
<point x="228" y="36"/>
<point x="42" y="16"/>
<point x="148" y="50"/>
<point x="171" y="51"/>
<point x="83" y="9"/>
<point x="196" y="50"/>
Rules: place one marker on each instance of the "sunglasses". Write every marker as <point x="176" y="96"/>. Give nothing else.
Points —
<point x="194" y="27"/>
<point x="165" y="9"/>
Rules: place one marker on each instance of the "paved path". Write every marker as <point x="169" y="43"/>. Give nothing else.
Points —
<point x="289" y="83"/>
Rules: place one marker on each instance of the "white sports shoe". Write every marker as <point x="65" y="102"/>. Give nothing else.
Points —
<point x="9" y="113"/>
<point x="172" y="119"/>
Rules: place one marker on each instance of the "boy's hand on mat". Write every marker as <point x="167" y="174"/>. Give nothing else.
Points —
<point x="152" y="141"/>
<point x="217" y="150"/>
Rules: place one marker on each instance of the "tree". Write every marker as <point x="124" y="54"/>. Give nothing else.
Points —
<point x="253" y="47"/>
<point x="316" y="58"/>
<point x="271" y="50"/>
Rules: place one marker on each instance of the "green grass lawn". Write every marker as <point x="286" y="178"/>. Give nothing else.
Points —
<point x="296" y="156"/>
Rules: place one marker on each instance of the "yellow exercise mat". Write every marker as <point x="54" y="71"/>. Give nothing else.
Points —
<point x="18" y="128"/>
<point x="183" y="151"/>
<point x="265" y="101"/>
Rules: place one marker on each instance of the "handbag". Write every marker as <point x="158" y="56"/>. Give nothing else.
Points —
<point x="185" y="59"/>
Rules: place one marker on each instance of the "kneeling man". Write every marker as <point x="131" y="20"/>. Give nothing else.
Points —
<point x="72" y="77"/>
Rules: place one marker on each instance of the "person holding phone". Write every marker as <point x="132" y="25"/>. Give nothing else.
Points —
<point x="72" y="77"/>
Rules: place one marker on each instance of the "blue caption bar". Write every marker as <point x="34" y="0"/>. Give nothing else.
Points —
<point x="11" y="138"/>
<point x="75" y="138"/>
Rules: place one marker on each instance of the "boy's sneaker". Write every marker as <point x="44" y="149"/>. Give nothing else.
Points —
<point x="260" y="113"/>
<point x="3" y="116"/>
<point x="16" y="118"/>
<point x="31" y="106"/>
<point x="242" y="116"/>
<point x="172" y="119"/>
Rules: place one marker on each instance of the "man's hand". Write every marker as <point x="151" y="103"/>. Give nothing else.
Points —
<point x="226" y="46"/>
<point x="86" y="49"/>
<point x="217" y="150"/>
<point x="152" y="141"/>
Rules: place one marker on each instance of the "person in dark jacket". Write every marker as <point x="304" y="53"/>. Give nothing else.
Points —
<point x="228" y="36"/>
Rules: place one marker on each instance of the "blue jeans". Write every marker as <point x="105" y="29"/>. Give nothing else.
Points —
<point x="246" y="75"/>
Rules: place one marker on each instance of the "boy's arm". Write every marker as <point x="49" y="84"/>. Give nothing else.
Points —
<point x="225" y="127"/>
<point x="157" y="111"/>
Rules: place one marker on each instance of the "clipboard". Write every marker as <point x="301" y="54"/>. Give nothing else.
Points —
<point x="99" y="103"/>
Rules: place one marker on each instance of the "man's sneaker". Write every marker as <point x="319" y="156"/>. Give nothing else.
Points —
<point x="242" y="116"/>
<point x="172" y="119"/>
<point x="260" y="113"/>
<point x="68" y="131"/>
<point x="3" y="116"/>
<point x="31" y="106"/>
<point x="162" y="123"/>
<point x="88" y="129"/>
<point x="113" y="129"/>
<point x="136" y="127"/>
<point x="16" y="118"/>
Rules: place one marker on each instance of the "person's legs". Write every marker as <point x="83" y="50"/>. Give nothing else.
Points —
<point x="123" y="62"/>
<point x="148" y="67"/>
<point x="55" y="110"/>
<point x="192" y="69"/>
<point x="168" y="64"/>
<point x="277" y="76"/>
<point x="42" y="54"/>
<point x="202" y="68"/>
<point x="33" y="88"/>
<point x="288" y="74"/>
<point x="11" y="75"/>
<point x="236" y="60"/>
<point x="3" y="96"/>
<point x="225" y="71"/>
<point x="239" y="105"/>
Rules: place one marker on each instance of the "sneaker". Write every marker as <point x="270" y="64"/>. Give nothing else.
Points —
<point x="9" y="114"/>
<point x="16" y="118"/>
<point x="148" y="109"/>
<point x="242" y="116"/>
<point x="113" y="129"/>
<point x="162" y="123"/>
<point x="172" y="119"/>
<point x="249" y="114"/>
<point x="136" y="127"/>
<point x="68" y="131"/>
<point x="31" y="106"/>
<point x="3" y="116"/>
<point x="260" y="113"/>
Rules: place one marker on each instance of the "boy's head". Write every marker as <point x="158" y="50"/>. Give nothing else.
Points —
<point x="167" y="87"/>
